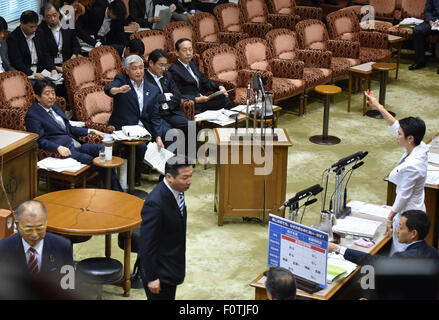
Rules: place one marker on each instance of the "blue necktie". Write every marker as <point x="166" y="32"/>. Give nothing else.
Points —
<point x="181" y="203"/>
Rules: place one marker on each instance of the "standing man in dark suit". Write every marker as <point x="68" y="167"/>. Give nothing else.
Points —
<point x="191" y="81"/>
<point x="136" y="103"/>
<point x="46" y="119"/>
<point x="5" y="65"/>
<point x="420" y="32"/>
<point x="413" y="228"/>
<point x="163" y="232"/>
<point x="32" y="250"/>
<point x="26" y="48"/>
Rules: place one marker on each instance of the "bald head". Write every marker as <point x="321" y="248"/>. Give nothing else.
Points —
<point x="31" y="208"/>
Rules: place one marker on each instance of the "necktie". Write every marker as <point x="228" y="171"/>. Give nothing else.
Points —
<point x="33" y="261"/>
<point x="181" y="203"/>
<point x="59" y="121"/>
<point x="188" y="67"/>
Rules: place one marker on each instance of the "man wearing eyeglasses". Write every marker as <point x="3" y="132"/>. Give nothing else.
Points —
<point x="33" y="251"/>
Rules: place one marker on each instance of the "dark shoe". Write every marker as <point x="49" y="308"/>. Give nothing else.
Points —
<point x="137" y="183"/>
<point x="417" y="66"/>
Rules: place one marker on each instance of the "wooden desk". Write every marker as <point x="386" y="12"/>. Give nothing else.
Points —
<point x="239" y="192"/>
<point x="364" y="72"/>
<point x="332" y="288"/>
<point x="87" y="212"/>
<point x="396" y="41"/>
<point x="132" y="167"/>
<point x="18" y="153"/>
<point x="69" y="177"/>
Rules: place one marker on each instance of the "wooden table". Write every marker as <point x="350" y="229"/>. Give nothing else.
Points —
<point x="132" y="167"/>
<point x="324" y="138"/>
<point x="364" y="72"/>
<point x="88" y="212"/>
<point x="396" y="41"/>
<point x="332" y="288"/>
<point x="115" y="162"/>
<point x="383" y="68"/>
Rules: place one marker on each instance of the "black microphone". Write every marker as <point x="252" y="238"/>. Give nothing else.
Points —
<point x="248" y="92"/>
<point x="310" y="202"/>
<point x="311" y="191"/>
<point x="256" y="88"/>
<point x="349" y="159"/>
<point x="261" y="87"/>
<point x="357" y="165"/>
<point x="365" y="153"/>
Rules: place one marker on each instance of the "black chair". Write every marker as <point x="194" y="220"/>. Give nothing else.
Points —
<point x="136" y="279"/>
<point x="99" y="271"/>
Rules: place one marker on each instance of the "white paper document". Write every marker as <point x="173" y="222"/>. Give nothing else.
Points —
<point x="80" y="124"/>
<point x="59" y="165"/>
<point x="221" y="117"/>
<point x="369" y="208"/>
<point x="157" y="159"/>
<point x="432" y="177"/>
<point x="356" y="226"/>
<point x="131" y="133"/>
<point x="337" y="260"/>
<point x="433" y="158"/>
<point x="407" y="21"/>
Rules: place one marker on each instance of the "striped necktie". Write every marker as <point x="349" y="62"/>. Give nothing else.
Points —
<point x="33" y="261"/>
<point x="60" y="122"/>
<point x="181" y="203"/>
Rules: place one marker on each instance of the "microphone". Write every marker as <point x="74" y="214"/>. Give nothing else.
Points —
<point x="356" y="166"/>
<point x="310" y="202"/>
<point x="248" y="92"/>
<point x="261" y="87"/>
<point x="349" y="159"/>
<point x="256" y="88"/>
<point x="311" y="191"/>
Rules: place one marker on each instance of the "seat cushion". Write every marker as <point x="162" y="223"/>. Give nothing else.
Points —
<point x="372" y="54"/>
<point x="99" y="270"/>
<point x="316" y="76"/>
<point x="284" y="88"/>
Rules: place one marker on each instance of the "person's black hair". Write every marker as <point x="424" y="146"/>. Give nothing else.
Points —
<point x="118" y="8"/>
<point x="39" y="86"/>
<point x="48" y="6"/>
<point x="179" y="41"/>
<point x="174" y="164"/>
<point x="156" y="54"/>
<point x="3" y="24"/>
<point x="68" y="2"/>
<point x="280" y="283"/>
<point x="136" y="46"/>
<point x="413" y="127"/>
<point x="417" y="220"/>
<point x="29" y="16"/>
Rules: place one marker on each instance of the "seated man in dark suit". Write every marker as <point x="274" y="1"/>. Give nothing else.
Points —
<point x="27" y="50"/>
<point x="56" y="134"/>
<point x="133" y="47"/>
<point x="420" y="32"/>
<point x="136" y="103"/>
<point x="61" y="43"/>
<point x="191" y="81"/>
<point x="413" y="228"/>
<point x="5" y="65"/>
<point x="33" y="251"/>
<point x="280" y="284"/>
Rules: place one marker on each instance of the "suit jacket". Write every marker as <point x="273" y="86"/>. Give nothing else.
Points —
<point x="187" y="85"/>
<point x="20" y="56"/>
<point x="70" y="44"/>
<point x="57" y="252"/>
<point x="5" y="57"/>
<point x="51" y="135"/>
<point x="126" y="109"/>
<point x="169" y="86"/>
<point x="415" y="250"/>
<point x="163" y="237"/>
<point x="431" y="10"/>
<point x="138" y="10"/>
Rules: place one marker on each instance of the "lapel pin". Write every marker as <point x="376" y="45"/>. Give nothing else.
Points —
<point x="51" y="258"/>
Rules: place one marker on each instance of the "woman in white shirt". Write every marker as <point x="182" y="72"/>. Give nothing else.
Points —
<point x="411" y="171"/>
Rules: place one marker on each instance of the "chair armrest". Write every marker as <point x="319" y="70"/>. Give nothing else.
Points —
<point x="13" y="119"/>
<point x="282" y="21"/>
<point x="305" y="12"/>
<point x="246" y="75"/>
<point x="188" y="107"/>
<point x="226" y="84"/>
<point x="201" y="46"/>
<point x="231" y="38"/>
<point x="42" y="154"/>
<point x="375" y="40"/>
<point x="287" y="68"/>
<point x="100" y="126"/>
<point x="344" y="48"/>
<point x="315" y="58"/>
<point x="254" y="29"/>
<point x="91" y="138"/>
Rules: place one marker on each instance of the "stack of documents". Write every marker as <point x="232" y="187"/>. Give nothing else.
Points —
<point x="131" y="133"/>
<point x="369" y="209"/>
<point x="338" y="267"/>
<point x="221" y="117"/>
<point x="433" y="162"/>
<point x="59" y="165"/>
<point x="80" y="124"/>
<point x="410" y="22"/>
<point x="157" y="159"/>
<point x="356" y="226"/>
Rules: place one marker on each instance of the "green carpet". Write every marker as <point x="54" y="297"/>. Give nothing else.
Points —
<point x="222" y="261"/>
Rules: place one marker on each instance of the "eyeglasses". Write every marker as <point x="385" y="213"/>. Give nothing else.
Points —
<point x="29" y="230"/>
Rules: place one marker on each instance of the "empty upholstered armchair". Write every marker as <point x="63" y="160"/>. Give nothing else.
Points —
<point x="409" y="9"/>
<point x="107" y="61"/>
<point x="79" y="73"/>
<point x="230" y="18"/>
<point x="152" y="39"/>
<point x="344" y="25"/>
<point x="317" y="68"/>
<point x="384" y="15"/>
<point x="312" y="34"/>
<point x="287" y="75"/>
<point x="289" y="7"/>
<point x="207" y="32"/>
<point x="94" y="107"/>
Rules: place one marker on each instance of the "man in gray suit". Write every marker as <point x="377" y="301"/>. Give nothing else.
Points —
<point x="4" y="59"/>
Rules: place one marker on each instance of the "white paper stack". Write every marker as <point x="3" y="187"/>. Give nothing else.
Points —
<point x="80" y="124"/>
<point x="338" y="261"/>
<point x="357" y="226"/>
<point x="131" y="133"/>
<point x="369" y="209"/>
<point x="407" y="21"/>
<point x="157" y="159"/>
<point x="221" y="117"/>
<point x="59" y="165"/>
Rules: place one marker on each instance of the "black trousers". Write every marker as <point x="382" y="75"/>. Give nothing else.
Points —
<point x="420" y="32"/>
<point x="167" y="292"/>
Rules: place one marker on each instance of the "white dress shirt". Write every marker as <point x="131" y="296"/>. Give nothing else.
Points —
<point x="106" y="25"/>
<point x="174" y="192"/>
<point x="32" y="49"/>
<point x="409" y="177"/>
<point x="167" y="94"/>
<point x="1" y="64"/>
<point x="139" y="93"/>
<point x="57" y="35"/>
<point x="39" y="251"/>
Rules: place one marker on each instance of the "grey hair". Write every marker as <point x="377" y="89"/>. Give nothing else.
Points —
<point x="131" y="59"/>
<point x="31" y="207"/>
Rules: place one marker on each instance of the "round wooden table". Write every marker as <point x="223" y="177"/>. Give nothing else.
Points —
<point x="383" y="68"/>
<point x="324" y="138"/>
<point x="80" y="212"/>
<point x="132" y="167"/>
<point x="115" y="162"/>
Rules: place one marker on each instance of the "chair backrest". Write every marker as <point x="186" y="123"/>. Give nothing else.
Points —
<point x="312" y="34"/>
<point x="92" y="104"/>
<point x="282" y="6"/>
<point x="283" y="43"/>
<point x="15" y="90"/>
<point x="343" y="25"/>
<point x="176" y="30"/>
<point x="79" y="73"/>
<point x="107" y="61"/>
<point x="229" y="17"/>
<point x="254" y="10"/>
<point x="255" y="53"/>
<point x="412" y="9"/>
<point x="384" y="8"/>
<point x="152" y="39"/>
<point x="205" y="27"/>
<point x="222" y="62"/>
